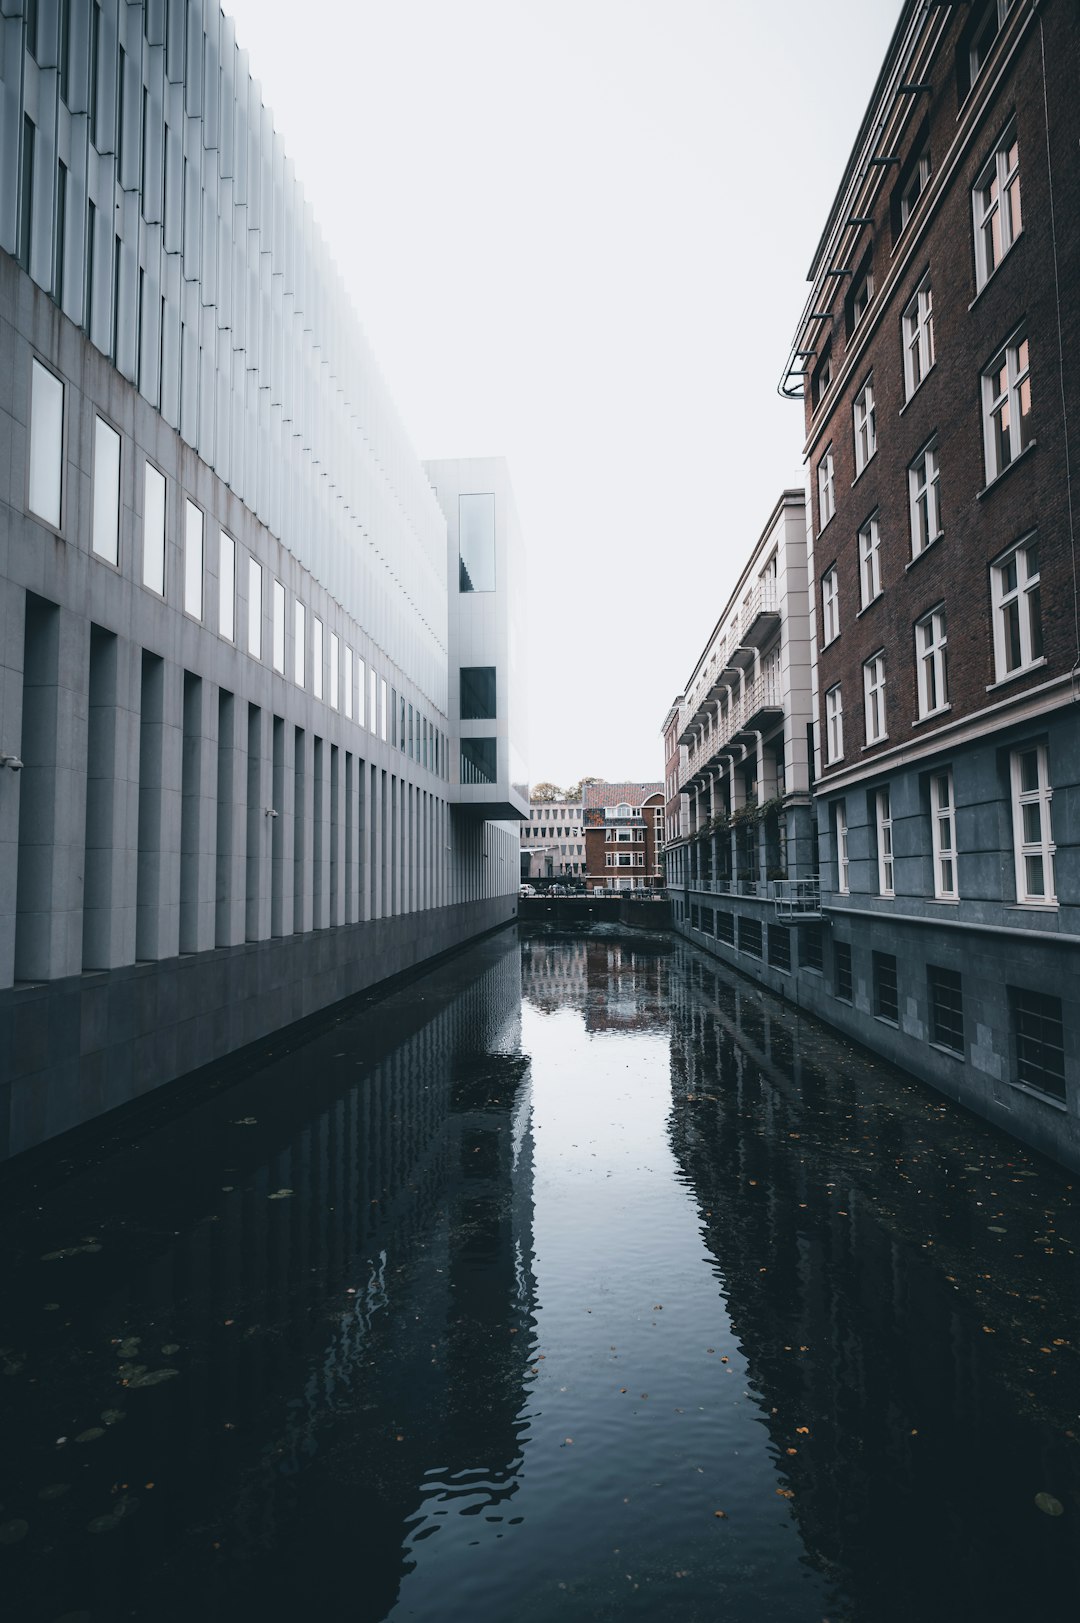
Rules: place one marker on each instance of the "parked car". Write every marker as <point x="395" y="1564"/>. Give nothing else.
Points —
<point x="526" y="890"/>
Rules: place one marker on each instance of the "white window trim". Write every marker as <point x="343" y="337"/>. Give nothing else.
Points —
<point x="864" y="422"/>
<point x="943" y="815"/>
<point x="105" y="502"/>
<point x="885" y="858"/>
<point x="996" y="169"/>
<point x="924" y="482"/>
<point x="921" y="174"/>
<point x="299" y="643"/>
<point x="154" y="547"/>
<point x="279" y="607"/>
<point x="843" y="865"/>
<point x="1021" y="594"/>
<point x="917" y="331"/>
<point x="870" y="554"/>
<point x="226" y="586"/>
<point x="1016" y="377"/>
<point x="316" y="656"/>
<point x="46" y="474"/>
<point x="935" y="657"/>
<point x="830" y="606"/>
<point x="826" y="488"/>
<point x="255" y="608"/>
<point x="834" y="725"/>
<point x="874" y="698"/>
<point x="1044" y="848"/>
<point x="193" y="559"/>
<point x="335" y="671"/>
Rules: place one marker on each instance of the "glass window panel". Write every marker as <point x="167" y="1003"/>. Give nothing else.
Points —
<point x="299" y="643"/>
<point x="105" y="538"/>
<point x="476" y="543"/>
<point x="279" y="626"/>
<point x="154" y="530"/>
<point x="193" y="561"/>
<point x="478" y="693"/>
<point x="254" y="608"/>
<point x="334" y="666"/>
<point x="227" y="586"/>
<point x="316" y="656"/>
<point x="46" y="444"/>
<point x="479" y="760"/>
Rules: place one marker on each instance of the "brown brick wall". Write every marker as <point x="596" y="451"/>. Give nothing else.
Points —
<point x="977" y="524"/>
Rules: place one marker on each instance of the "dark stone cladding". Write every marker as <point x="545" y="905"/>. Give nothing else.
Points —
<point x="1035" y="284"/>
<point x="74" y="1048"/>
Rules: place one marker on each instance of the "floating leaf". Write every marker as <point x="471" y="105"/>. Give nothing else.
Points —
<point x="90" y="1248"/>
<point x="129" y="1347"/>
<point x="786" y="1493"/>
<point x="246" y="1121"/>
<point x="112" y="1416"/>
<point x="152" y="1377"/>
<point x="13" y="1532"/>
<point x="280" y="1194"/>
<point x="170" y="1347"/>
<point x="1049" y="1505"/>
<point x="103" y="1524"/>
<point x="91" y="1434"/>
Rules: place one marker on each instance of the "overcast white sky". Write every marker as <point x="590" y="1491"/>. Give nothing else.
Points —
<point x="577" y="234"/>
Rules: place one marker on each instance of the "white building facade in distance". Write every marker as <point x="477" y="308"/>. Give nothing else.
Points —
<point x="553" y="841"/>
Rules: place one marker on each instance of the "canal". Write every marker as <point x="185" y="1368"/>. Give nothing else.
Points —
<point x="577" y="1279"/>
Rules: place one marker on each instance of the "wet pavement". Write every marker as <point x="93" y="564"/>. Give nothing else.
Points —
<point x="577" y="1279"/>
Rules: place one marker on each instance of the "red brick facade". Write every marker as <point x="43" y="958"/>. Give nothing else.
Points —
<point x="611" y="839"/>
<point x="1034" y="284"/>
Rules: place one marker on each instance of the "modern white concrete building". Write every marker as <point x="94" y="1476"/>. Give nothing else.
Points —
<point x="229" y="670"/>
<point x="553" y="841"/>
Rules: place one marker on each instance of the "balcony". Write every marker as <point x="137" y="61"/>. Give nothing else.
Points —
<point x="761" y="616"/>
<point x="762" y="704"/>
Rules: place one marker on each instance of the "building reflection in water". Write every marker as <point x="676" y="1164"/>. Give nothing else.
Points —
<point x="617" y="982"/>
<point x="878" y="1307"/>
<point x="341" y="1275"/>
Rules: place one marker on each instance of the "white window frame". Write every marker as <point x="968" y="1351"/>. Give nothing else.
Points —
<point x="382" y="716"/>
<point x="917" y="183"/>
<point x="105" y="526"/>
<point x="1042" y="848"/>
<point x="299" y="643"/>
<point x="193" y="560"/>
<point x="917" y="327"/>
<point x="1007" y="430"/>
<point x="226" y="586"/>
<point x="155" y="508"/>
<point x="361" y="691"/>
<point x="843" y="865"/>
<point x="255" y="607"/>
<point x="886" y="866"/>
<point x="830" y="606"/>
<point x="277" y="591"/>
<point x="931" y="661"/>
<point x="924" y="499"/>
<point x="373" y="701"/>
<point x="826" y="475"/>
<point x="870" y="561"/>
<point x="943" y="832"/>
<point x="45" y="474"/>
<point x="350" y="682"/>
<point x="316" y="656"/>
<point x="995" y="206"/>
<point x="874" y="697"/>
<point x="864" y="421"/>
<point x="834" y="725"/>
<point x="862" y="293"/>
<point x="335" y="671"/>
<point x="1015" y="597"/>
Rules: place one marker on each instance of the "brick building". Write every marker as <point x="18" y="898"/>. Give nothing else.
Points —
<point x="624" y="832"/>
<point x="931" y="359"/>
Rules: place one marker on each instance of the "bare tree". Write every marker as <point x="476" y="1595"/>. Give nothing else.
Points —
<point x="545" y="793"/>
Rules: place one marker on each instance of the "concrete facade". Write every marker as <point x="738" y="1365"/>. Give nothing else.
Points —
<point x="223" y="583"/>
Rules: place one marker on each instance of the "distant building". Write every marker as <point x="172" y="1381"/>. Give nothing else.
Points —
<point x="552" y="841"/>
<point x="624" y="832"/>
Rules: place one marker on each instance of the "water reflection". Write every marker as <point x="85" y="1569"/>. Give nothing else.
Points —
<point x="490" y="1299"/>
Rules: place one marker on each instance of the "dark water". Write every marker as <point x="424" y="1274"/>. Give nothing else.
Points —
<point x="576" y="1280"/>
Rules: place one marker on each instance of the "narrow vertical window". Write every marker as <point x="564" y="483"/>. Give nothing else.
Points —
<point x="865" y="423"/>
<point x="874" y="695"/>
<point x="1017" y="604"/>
<point x="1007" y="406"/>
<point x="924" y="499"/>
<point x="154" y="529"/>
<point x="943" y="831"/>
<point x="299" y="648"/>
<point x="373" y="702"/>
<point x="869" y="561"/>
<point x="996" y="207"/>
<point x="227" y="586"/>
<point x="193" y="561"/>
<point x="60" y="235"/>
<point x="830" y="606"/>
<point x="335" y="664"/>
<point x="278" y="592"/>
<point x="105" y="533"/>
<point x="1033" y="840"/>
<point x="826" y="489"/>
<point x="316" y="656"/>
<point x="834" y="725"/>
<point x="349" y="681"/>
<point x="917" y="324"/>
<point x="382" y="710"/>
<point x="26" y="193"/>
<point x="46" y="444"/>
<point x="842" y="865"/>
<point x="883" y="810"/>
<point x="255" y="608"/>
<point x="930" y="646"/>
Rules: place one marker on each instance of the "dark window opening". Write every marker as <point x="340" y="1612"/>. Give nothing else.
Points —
<point x="1039" y="1041"/>
<point x="478" y="693"/>
<point x="842" y="965"/>
<point x="886" y="999"/>
<point x="946" y="1009"/>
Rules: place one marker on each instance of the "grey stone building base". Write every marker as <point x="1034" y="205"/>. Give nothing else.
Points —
<point x="72" y="1049"/>
<point x="990" y="962"/>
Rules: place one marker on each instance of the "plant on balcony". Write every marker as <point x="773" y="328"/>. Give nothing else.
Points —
<point x="719" y="824"/>
<point x="744" y="816"/>
<point x="771" y="808"/>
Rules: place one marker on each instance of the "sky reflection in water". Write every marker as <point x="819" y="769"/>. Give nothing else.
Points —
<point x="576" y="1281"/>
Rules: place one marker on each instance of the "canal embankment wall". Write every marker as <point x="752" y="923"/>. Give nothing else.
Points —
<point x="77" y="1047"/>
<point x="580" y="910"/>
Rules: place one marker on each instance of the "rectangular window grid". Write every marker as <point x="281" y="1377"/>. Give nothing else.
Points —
<point x="886" y="998"/>
<point x="946" y="1008"/>
<point x="1039" y="1041"/>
